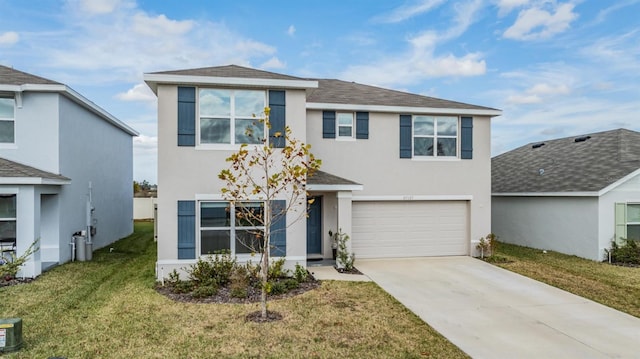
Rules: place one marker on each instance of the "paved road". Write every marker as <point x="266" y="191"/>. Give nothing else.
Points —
<point x="489" y="312"/>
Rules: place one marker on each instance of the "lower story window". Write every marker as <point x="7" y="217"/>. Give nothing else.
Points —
<point x="633" y="221"/>
<point x="8" y="219"/>
<point x="237" y="228"/>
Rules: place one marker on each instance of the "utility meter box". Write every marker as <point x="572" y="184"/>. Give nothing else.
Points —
<point x="10" y="335"/>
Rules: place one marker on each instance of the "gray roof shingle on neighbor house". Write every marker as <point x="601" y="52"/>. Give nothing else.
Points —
<point x="230" y="71"/>
<point x="324" y="178"/>
<point x="10" y="76"/>
<point x="343" y="92"/>
<point x="11" y="169"/>
<point x="566" y="165"/>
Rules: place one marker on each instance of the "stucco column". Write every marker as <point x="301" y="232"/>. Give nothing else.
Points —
<point x="28" y="229"/>
<point x="344" y="214"/>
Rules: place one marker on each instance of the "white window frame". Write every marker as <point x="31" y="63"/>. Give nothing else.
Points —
<point x="352" y="126"/>
<point x="232" y="227"/>
<point x="232" y="119"/>
<point x="626" y="219"/>
<point x="435" y="137"/>
<point x="10" y="119"/>
<point x="5" y="245"/>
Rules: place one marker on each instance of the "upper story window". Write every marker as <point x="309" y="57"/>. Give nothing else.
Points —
<point x="231" y="117"/>
<point x="633" y="221"/>
<point x="345" y="124"/>
<point x="7" y="120"/>
<point x="435" y="136"/>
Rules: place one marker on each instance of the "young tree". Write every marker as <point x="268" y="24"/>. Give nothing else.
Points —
<point x="265" y="174"/>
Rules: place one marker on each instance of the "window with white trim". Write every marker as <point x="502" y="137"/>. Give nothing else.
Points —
<point x="633" y="221"/>
<point x="8" y="219"/>
<point x="344" y="124"/>
<point x="231" y="117"/>
<point x="7" y="120"/>
<point x="235" y="228"/>
<point x="435" y="136"/>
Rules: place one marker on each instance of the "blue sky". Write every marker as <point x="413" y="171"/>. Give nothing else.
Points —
<point x="554" y="67"/>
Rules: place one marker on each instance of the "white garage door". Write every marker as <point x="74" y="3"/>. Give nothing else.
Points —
<point x="409" y="229"/>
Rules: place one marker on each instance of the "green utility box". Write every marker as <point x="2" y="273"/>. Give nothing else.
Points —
<point x="10" y="335"/>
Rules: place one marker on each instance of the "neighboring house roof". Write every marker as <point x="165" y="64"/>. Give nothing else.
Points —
<point x="324" y="94"/>
<point x="588" y="163"/>
<point x="321" y="180"/>
<point x="12" y="80"/>
<point x="16" y="173"/>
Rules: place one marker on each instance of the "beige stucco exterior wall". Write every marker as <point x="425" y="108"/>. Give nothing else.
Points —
<point x="376" y="164"/>
<point x="191" y="173"/>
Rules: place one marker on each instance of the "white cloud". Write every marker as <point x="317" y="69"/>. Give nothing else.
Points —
<point x="95" y="7"/>
<point x="9" y="38"/>
<point x="291" y="30"/>
<point x="538" y="23"/>
<point x="408" y="11"/>
<point x="273" y="63"/>
<point x="506" y="6"/>
<point x="139" y="92"/>
<point x="159" y="26"/>
<point x="145" y="158"/>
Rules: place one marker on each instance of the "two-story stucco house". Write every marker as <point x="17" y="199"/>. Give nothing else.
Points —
<point x="66" y="166"/>
<point x="404" y="175"/>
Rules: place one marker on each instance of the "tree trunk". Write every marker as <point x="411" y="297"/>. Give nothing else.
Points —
<point x="265" y="257"/>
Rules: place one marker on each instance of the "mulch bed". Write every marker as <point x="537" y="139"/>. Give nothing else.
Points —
<point x="353" y="270"/>
<point x="15" y="281"/>
<point x="224" y="294"/>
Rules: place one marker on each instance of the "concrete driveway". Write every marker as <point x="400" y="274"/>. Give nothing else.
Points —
<point x="489" y="312"/>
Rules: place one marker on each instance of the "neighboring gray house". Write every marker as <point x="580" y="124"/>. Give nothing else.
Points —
<point x="65" y="164"/>
<point x="404" y="175"/>
<point x="572" y="195"/>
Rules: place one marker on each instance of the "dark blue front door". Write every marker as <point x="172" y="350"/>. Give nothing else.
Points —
<point x="314" y="227"/>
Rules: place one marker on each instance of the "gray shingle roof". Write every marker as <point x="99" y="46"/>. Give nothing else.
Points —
<point x="11" y="169"/>
<point x="343" y="92"/>
<point x="230" y="71"/>
<point x="9" y="76"/>
<point x="324" y="178"/>
<point x="564" y="165"/>
<point x="333" y="91"/>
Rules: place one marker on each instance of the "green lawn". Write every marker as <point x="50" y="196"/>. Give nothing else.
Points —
<point x="108" y="308"/>
<point x="614" y="286"/>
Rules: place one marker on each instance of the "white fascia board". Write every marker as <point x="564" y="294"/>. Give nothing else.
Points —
<point x="153" y="80"/>
<point x="619" y="182"/>
<point x="402" y="109"/>
<point x="546" y="194"/>
<point x="420" y="197"/>
<point x="74" y="96"/>
<point x="32" y="181"/>
<point x="334" y="187"/>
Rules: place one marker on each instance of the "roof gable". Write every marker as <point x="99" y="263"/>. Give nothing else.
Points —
<point x="230" y="71"/>
<point x="587" y="163"/>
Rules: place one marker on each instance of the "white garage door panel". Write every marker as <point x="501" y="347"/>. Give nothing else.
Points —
<point x="409" y="229"/>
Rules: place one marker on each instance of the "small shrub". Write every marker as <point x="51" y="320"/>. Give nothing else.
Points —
<point x="201" y="271"/>
<point x="174" y="277"/>
<point x="488" y="246"/>
<point x="223" y="266"/>
<point x="182" y="286"/>
<point x="204" y="291"/>
<point x="291" y="283"/>
<point x="276" y="287"/>
<point x="344" y="259"/>
<point x="628" y="252"/>
<point x="213" y="270"/>
<point x="10" y="265"/>
<point x="276" y="270"/>
<point x="300" y="274"/>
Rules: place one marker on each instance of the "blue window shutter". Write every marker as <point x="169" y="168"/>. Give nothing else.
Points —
<point x="277" y="118"/>
<point x="279" y="228"/>
<point x="186" y="229"/>
<point x="405" y="136"/>
<point x="328" y="124"/>
<point x="362" y="125"/>
<point x="466" y="138"/>
<point x="186" y="116"/>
